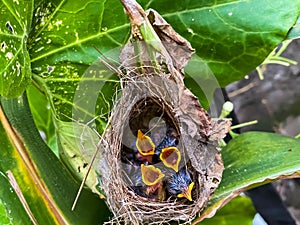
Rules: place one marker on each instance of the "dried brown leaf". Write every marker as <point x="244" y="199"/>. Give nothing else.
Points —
<point x="178" y="48"/>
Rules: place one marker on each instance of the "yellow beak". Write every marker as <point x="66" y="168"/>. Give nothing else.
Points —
<point x="170" y="157"/>
<point x="151" y="175"/>
<point x="144" y="144"/>
<point x="187" y="193"/>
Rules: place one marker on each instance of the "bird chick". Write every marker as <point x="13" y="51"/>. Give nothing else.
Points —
<point x="170" y="140"/>
<point x="180" y="184"/>
<point x="144" y="144"/>
<point x="170" y="157"/>
<point x="152" y="177"/>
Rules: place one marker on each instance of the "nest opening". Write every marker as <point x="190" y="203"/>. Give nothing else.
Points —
<point x="155" y="119"/>
<point x="151" y="112"/>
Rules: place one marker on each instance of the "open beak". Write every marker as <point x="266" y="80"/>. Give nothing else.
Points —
<point x="151" y="175"/>
<point x="187" y="193"/>
<point x="144" y="144"/>
<point x="170" y="157"/>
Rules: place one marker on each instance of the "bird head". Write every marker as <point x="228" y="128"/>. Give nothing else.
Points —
<point x="144" y="144"/>
<point x="180" y="184"/>
<point x="170" y="157"/>
<point x="151" y="175"/>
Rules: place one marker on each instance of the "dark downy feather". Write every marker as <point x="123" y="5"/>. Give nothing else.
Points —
<point x="179" y="181"/>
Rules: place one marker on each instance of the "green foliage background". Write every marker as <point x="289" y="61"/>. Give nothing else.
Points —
<point x="47" y="47"/>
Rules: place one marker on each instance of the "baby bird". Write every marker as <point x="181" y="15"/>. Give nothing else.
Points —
<point x="170" y="140"/>
<point x="152" y="177"/>
<point x="145" y="181"/>
<point x="144" y="144"/>
<point x="180" y="184"/>
<point x="170" y="157"/>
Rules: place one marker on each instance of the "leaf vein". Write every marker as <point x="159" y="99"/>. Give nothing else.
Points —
<point x="79" y="42"/>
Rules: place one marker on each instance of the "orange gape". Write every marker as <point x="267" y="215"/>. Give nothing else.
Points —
<point x="144" y="144"/>
<point x="170" y="157"/>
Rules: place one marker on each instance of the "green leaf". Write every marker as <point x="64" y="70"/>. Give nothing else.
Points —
<point x="15" y="70"/>
<point x="259" y="156"/>
<point x="239" y="211"/>
<point x="41" y="111"/>
<point x="232" y="37"/>
<point x="60" y="186"/>
<point x="251" y="159"/>
<point x="63" y="44"/>
<point x="12" y="161"/>
<point x="11" y="209"/>
<point x="77" y="143"/>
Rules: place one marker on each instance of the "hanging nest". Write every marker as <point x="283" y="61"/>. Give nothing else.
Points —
<point x="155" y="101"/>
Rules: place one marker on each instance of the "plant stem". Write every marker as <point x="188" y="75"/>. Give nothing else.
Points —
<point x="244" y="124"/>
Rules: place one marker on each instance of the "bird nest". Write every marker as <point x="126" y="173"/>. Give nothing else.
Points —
<point x="156" y="102"/>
